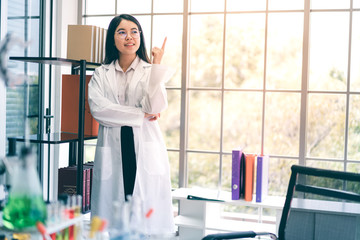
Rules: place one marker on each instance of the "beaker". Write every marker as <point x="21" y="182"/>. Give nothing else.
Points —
<point x="25" y="205"/>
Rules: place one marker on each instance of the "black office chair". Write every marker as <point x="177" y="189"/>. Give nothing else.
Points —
<point x="312" y="183"/>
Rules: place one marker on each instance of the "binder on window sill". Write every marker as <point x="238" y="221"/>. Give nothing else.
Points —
<point x="249" y="176"/>
<point x="238" y="175"/>
<point x="262" y="177"/>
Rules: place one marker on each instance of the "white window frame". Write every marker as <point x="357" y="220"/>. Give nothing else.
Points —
<point x="304" y="91"/>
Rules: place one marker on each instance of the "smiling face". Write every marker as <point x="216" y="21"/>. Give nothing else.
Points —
<point x="127" y="38"/>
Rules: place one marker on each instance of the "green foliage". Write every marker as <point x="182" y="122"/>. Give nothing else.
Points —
<point x="338" y="75"/>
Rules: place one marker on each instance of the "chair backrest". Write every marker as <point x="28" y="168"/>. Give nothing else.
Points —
<point x="337" y="187"/>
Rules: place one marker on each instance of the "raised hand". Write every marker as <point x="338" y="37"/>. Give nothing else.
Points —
<point x="158" y="53"/>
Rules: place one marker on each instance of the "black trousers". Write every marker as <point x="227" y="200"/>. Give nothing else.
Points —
<point x="128" y="159"/>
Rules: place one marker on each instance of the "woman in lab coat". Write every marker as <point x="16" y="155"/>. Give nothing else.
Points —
<point x="126" y="96"/>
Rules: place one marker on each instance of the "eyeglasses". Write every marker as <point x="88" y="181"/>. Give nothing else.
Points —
<point x="123" y="34"/>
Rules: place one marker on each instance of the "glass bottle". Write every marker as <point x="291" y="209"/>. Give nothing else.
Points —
<point x="25" y="205"/>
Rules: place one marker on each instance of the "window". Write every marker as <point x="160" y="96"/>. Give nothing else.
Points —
<point x="273" y="76"/>
<point x="23" y="99"/>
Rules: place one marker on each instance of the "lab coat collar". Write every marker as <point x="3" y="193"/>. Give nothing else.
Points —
<point x="133" y="65"/>
<point x="140" y="69"/>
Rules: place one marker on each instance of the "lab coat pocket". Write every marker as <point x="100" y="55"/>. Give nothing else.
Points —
<point x="154" y="158"/>
<point x="103" y="163"/>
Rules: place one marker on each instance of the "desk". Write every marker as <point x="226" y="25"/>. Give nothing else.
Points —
<point x="323" y="220"/>
<point x="198" y="218"/>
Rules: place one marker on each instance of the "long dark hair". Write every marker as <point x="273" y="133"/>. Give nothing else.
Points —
<point x="111" y="52"/>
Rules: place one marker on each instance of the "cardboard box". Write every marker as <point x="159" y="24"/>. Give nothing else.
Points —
<point x="81" y="42"/>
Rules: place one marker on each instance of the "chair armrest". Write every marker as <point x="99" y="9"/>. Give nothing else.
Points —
<point x="232" y="235"/>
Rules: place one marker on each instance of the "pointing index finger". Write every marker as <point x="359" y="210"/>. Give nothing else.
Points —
<point x="163" y="46"/>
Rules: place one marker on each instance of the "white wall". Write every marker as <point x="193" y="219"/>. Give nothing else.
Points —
<point x="65" y="13"/>
<point x="2" y="85"/>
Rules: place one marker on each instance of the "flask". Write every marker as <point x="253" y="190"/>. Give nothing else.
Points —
<point x="25" y="205"/>
<point x="119" y="224"/>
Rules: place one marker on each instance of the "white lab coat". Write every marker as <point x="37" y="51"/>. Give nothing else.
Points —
<point x="147" y="93"/>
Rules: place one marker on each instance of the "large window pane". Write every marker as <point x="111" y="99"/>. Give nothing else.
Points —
<point x="236" y="5"/>
<point x="145" y="22"/>
<point x="322" y="182"/>
<point x="33" y="91"/>
<point x="33" y="124"/>
<point x="27" y="30"/>
<point x="242" y="121"/>
<point x="32" y="71"/>
<point x="282" y="124"/>
<point x="135" y="6"/>
<point x="284" y="58"/>
<point x="89" y="151"/>
<point x="204" y="120"/>
<point x="173" y="6"/>
<point x="16" y="101"/>
<point x="353" y="167"/>
<point x="330" y="4"/>
<point x="332" y="165"/>
<point x="244" y="53"/>
<point x="170" y="26"/>
<point x="34" y="7"/>
<point x="226" y="173"/>
<point x="206" y="46"/>
<point x="354" y="128"/>
<point x="93" y="7"/>
<point x="18" y="8"/>
<point x="15" y="124"/>
<point x="174" y="168"/>
<point x="102" y="22"/>
<point x="329" y="38"/>
<point x="170" y="120"/>
<point x="207" y="5"/>
<point x="17" y="27"/>
<point x="356" y="4"/>
<point x="203" y="170"/>
<point x="355" y="53"/>
<point x="325" y="126"/>
<point x="33" y="48"/>
<point x="286" y="4"/>
<point x="279" y="175"/>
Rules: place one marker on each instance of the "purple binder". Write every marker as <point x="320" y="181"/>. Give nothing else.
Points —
<point x="238" y="175"/>
<point x="262" y="170"/>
